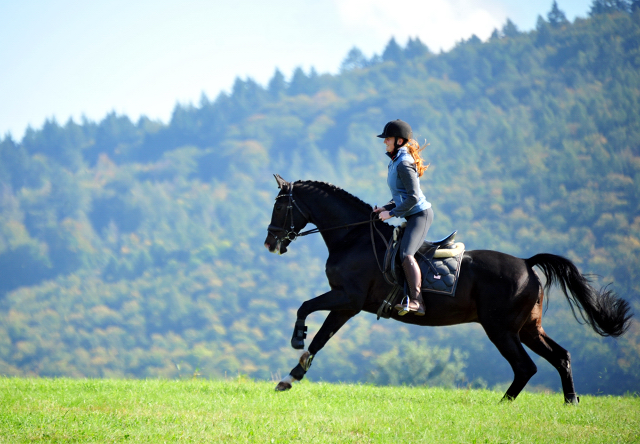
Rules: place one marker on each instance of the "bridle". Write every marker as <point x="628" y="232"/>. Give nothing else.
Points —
<point x="291" y="234"/>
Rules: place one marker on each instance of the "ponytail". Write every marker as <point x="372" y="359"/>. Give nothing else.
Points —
<point x="415" y="149"/>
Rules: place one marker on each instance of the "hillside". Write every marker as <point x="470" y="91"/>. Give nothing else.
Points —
<point x="134" y="249"/>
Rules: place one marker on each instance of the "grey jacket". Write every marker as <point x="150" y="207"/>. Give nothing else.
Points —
<point x="403" y="181"/>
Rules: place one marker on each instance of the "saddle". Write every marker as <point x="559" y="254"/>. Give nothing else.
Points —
<point x="439" y="262"/>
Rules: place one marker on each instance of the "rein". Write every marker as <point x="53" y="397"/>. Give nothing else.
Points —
<point x="320" y="230"/>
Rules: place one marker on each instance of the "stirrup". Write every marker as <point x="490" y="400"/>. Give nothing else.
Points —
<point x="402" y="307"/>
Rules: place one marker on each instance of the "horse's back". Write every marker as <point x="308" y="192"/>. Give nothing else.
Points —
<point x="492" y="264"/>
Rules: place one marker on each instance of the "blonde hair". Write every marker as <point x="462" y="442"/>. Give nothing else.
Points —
<point x="415" y="149"/>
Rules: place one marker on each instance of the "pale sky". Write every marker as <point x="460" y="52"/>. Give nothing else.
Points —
<point x="69" y="58"/>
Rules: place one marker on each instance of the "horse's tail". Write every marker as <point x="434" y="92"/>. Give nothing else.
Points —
<point x="603" y="310"/>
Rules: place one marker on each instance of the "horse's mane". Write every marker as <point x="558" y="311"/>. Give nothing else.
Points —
<point x="332" y="189"/>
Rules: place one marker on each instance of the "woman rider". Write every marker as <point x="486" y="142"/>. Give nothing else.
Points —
<point x="407" y="202"/>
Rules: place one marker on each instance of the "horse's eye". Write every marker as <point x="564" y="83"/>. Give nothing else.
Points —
<point x="278" y="207"/>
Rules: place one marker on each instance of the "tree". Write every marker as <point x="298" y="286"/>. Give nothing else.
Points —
<point x="247" y="96"/>
<point x="355" y="60"/>
<point x="415" y="48"/>
<point x="277" y="85"/>
<point x="510" y="29"/>
<point x="392" y="52"/>
<point x="418" y="364"/>
<point x="556" y="17"/>
<point x="474" y="40"/>
<point x="300" y="83"/>
<point x="543" y="36"/>
<point x="609" y="6"/>
<point x="64" y="145"/>
<point x="14" y="165"/>
<point x="115" y="136"/>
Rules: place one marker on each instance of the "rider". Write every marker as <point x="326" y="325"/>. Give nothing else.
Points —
<point x="408" y="202"/>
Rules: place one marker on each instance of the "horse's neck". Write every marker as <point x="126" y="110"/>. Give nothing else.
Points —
<point x="328" y="210"/>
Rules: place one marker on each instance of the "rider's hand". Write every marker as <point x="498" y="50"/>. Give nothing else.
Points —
<point x="378" y="209"/>
<point x="384" y="215"/>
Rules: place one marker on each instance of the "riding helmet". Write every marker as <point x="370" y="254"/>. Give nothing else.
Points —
<point x="396" y="128"/>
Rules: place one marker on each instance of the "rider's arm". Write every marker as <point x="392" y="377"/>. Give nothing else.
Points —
<point x="389" y="205"/>
<point x="408" y="175"/>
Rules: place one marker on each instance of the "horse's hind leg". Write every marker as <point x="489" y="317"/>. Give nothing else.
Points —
<point x="334" y="321"/>
<point x="511" y="348"/>
<point x="534" y="337"/>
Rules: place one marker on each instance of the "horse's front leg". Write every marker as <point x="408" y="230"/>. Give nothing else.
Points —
<point x="331" y="300"/>
<point x="335" y="320"/>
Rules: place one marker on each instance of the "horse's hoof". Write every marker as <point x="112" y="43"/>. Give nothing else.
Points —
<point x="572" y="399"/>
<point x="283" y="386"/>
<point x="296" y="343"/>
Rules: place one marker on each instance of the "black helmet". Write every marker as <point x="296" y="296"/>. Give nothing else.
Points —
<point x="396" y="128"/>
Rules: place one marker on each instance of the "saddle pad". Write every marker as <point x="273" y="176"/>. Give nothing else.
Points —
<point x="440" y="275"/>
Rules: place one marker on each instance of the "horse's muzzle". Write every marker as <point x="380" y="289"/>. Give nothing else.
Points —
<point x="275" y="245"/>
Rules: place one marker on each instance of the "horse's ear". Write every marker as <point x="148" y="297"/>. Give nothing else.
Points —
<point x="280" y="180"/>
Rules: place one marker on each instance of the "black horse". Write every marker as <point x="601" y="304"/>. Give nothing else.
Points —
<point x="501" y="292"/>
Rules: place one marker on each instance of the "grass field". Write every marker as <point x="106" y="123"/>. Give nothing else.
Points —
<point x="241" y="410"/>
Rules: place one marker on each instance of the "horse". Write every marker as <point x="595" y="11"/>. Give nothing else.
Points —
<point x="501" y="292"/>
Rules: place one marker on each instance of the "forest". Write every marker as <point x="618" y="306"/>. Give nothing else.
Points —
<point x="135" y="249"/>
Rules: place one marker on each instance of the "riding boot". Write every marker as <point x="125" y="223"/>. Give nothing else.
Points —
<point x="413" y="277"/>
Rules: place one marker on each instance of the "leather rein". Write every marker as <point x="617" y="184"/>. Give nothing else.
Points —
<point x="292" y="235"/>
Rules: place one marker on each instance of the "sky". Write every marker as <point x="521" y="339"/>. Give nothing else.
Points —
<point x="72" y="59"/>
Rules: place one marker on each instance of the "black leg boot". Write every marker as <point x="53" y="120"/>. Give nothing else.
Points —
<point x="413" y="277"/>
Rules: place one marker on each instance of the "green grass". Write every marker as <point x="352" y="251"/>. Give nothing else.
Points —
<point x="241" y="410"/>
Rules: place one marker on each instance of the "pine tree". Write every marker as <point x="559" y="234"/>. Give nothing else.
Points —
<point x="510" y="29"/>
<point x="277" y="84"/>
<point x="556" y="17"/>
<point x="393" y="52"/>
<point x="609" y="6"/>
<point x="474" y="40"/>
<point x="415" y="48"/>
<point x="544" y="33"/>
<point x="355" y="60"/>
<point x="299" y="83"/>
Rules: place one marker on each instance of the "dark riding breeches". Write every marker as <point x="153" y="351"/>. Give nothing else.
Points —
<point x="415" y="232"/>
